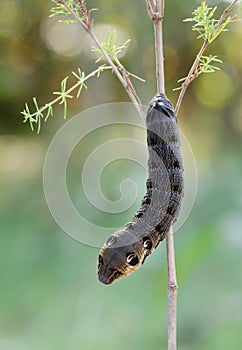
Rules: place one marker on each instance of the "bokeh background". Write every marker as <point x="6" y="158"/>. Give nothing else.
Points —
<point x="50" y="296"/>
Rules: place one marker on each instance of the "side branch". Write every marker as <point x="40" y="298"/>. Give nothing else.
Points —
<point x="210" y="34"/>
<point x="227" y="11"/>
<point x="123" y="76"/>
<point x="190" y="77"/>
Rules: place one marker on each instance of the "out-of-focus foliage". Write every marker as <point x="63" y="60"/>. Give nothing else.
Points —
<point x="50" y="297"/>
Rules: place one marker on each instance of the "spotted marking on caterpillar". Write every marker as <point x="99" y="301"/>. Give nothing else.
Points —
<point x="126" y="250"/>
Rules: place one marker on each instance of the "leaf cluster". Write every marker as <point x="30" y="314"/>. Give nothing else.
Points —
<point x="61" y="10"/>
<point x="111" y="47"/>
<point x="208" y="27"/>
<point x="206" y="66"/>
<point x="76" y="10"/>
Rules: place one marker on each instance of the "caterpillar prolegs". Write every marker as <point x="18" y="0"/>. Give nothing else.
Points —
<point x="126" y="250"/>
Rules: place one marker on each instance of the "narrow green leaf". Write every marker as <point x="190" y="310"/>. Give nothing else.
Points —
<point x="36" y="103"/>
<point x="221" y="29"/>
<point x="39" y="125"/>
<point x="212" y="12"/>
<point x="49" y="113"/>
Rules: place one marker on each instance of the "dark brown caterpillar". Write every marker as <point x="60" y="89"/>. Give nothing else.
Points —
<point x="126" y="250"/>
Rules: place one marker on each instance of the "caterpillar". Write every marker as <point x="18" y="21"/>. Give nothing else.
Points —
<point x="126" y="250"/>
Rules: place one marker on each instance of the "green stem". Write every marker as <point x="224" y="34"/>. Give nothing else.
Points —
<point x="75" y="86"/>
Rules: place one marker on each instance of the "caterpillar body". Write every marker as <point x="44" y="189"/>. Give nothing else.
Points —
<point x="126" y="250"/>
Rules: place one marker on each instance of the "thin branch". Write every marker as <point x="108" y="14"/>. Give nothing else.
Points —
<point x="227" y="11"/>
<point x="46" y="111"/>
<point x="159" y="47"/>
<point x="172" y="291"/>
<point x="190" y="76"/>
<point x="122" y="76"/>
<point x="193" y="70"/>
<point x="156" y="12"/>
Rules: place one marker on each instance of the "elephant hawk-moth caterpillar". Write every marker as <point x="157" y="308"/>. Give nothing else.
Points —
<point x="126" y="250"/>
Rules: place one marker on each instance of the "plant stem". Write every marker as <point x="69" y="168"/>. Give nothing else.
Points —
<point x="122" y="78"/>
<point x="75" y="86"/>
<point x="159" y="47"/>
<point x="156" y="13"/>
<point x="189" y="76"/>
<point x="227" y="11"/>
<point x="172" y="291"/>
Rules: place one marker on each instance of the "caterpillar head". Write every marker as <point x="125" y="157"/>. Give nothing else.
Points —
<point x="118" y="258"/>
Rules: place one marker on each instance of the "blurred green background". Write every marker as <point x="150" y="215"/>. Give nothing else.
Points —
<point x="50" y="296"/>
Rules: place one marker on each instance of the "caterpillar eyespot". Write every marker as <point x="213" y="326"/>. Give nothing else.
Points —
<point x="147" y="243"/>
<point x="132" y="259"/>
<point x="126" y="250"/>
